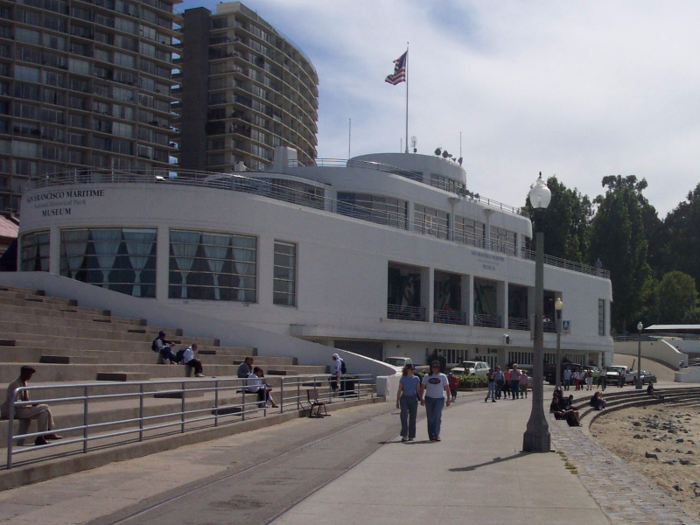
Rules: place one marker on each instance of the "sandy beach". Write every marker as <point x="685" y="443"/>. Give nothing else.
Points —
<point x="661" y="442"/>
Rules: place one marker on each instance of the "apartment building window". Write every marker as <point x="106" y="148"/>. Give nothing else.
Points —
<point x="35" y="252"/>
<point x="120" y="259"/>
<point x="601" y="316"/>
<point x="212" y="266"/>
<point x="284" y="287"/>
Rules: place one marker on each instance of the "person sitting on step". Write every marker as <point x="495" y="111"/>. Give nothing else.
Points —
<point x="40" y="412"/>
<point x="186" y="357"/>
<point x="164" y="349"/>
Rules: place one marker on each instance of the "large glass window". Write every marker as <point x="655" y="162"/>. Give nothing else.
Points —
<point x="374" y="208"/>
<point x="212" y="266"/>
<point x="120" y="259"/>
<point x="285" y="274"/>
<point x="430" y="221"/>
<point x="35" y="252"/>
<point x="601" y="316"/>
<point x="468" y="231"/>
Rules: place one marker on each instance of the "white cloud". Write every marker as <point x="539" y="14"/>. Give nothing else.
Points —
<point x="580" y="89"/>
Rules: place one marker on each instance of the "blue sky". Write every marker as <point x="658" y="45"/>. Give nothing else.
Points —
<point x="577" y="89"/>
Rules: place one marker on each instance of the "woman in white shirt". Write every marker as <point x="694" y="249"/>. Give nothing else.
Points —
<point x="435" y="388"/>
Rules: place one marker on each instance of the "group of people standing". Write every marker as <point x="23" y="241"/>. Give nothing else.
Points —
<point x="432" y="392"/>
<point x="582" y="379"/>
<point x="512" y="383"/>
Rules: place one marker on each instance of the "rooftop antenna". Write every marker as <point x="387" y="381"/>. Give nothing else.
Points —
<point x="414" y="144"/>
<point x="401" y="145"/>
<point x="349" y="135"/>
<point x="460" y="145"/>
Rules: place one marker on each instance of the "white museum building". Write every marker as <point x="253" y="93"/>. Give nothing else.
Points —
<point x="384" y="255"/>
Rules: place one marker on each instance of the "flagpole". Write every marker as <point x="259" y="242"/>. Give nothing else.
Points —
<point x="406" y="97"/>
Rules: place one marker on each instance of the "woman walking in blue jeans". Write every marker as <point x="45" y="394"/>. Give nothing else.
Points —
<point x="435" y="389"/>
<point x="407" y="400"/>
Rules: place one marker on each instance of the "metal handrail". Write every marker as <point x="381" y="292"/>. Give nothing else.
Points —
<point x="291" y="394"/>
<point x="405" y="313"/>
<point x="313" y="195"/>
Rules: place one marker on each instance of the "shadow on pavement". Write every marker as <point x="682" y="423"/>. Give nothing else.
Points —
<point x="492" y="462"/>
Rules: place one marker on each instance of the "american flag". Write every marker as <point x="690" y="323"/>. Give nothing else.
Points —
<point x="399" y="70"/>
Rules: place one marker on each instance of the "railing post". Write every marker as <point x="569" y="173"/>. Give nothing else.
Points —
<point x="141" y="412"/>
<point x="298" y="393"/>
<point x="282" y="396"/>
<point x="85" y="419"/>
<point x="216" y="403"/>
<point x="182" y="409"/>
<point x="10" y="428"/>
<point x="245" y="384"/>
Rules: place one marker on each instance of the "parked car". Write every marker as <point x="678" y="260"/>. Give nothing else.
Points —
<point x="647" y="377"/>
<point x="400" y="362"/>
<point x="472" y="368"/>
<point x="615" y="371"/>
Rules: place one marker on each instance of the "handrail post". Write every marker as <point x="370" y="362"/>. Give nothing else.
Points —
<point x="298" y="393"/>
<point x="245" y="384"/>
<point x="141" y="412"/>
<point x="182" y="409"/>
<point x="85" y="419"/>
<point x="216" y="403"/>
<point x="282" y="396"/>
<point x="10" y="427"/>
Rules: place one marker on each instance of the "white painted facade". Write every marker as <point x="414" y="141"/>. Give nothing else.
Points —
<point x="342" y="263"/>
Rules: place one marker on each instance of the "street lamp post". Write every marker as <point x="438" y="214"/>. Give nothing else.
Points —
<point x="536" y="437"/>
<point x="638" y="385"/>
<point x="558" y="305"/>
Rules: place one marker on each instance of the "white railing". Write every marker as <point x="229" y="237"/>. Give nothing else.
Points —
<point x="140" y="416"/>
<point x="294" y="190"/>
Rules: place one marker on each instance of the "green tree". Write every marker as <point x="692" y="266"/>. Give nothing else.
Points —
<point x="682" y="237"/>
<point x="618" y="240"/>
<point x="565" y="222"/>
<point x="677" y="298"/>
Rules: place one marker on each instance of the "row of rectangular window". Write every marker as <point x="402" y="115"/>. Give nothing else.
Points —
<point x="202" y="265"/>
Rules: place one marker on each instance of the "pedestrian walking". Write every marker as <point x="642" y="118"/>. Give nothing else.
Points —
<point x="589" y="380"/>
<point x="567" y="378"/>
<point x="500" y="381"/>
<point x="523" y="384"/>
<point x="454" y="385"/>
<point x="435" y="389"/>
<point x="407" y="397"/>
<point x="514" y="381"/>
<point x="491" y="377"/>
<point x="603" y="378"/>
<point x="577" y="379"/>
<point x="506" y="384"/>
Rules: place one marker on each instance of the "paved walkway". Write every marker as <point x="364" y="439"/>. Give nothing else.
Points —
<point x="352" y="469"/>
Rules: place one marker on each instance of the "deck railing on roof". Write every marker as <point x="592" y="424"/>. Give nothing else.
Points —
<point x="293" y="190"/>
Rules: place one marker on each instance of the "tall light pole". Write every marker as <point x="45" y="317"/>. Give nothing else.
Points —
<point x="558" y="305"/>
<point x="638" y="385"/>
<point x="536" y="437"/>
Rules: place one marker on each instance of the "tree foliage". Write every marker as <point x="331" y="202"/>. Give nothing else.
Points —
<point x="677" y="298"/>
<point x="565" y="222"/>
<point x="618" y="240"/>
<point x="681" y="248"/>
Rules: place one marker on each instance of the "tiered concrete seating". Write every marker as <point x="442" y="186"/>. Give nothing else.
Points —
<point x="69" y="344"/>
<point x="618" y="399"/>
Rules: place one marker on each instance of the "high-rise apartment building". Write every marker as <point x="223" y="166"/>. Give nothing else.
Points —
<point x="245" y="89"/>
<point x="84" y="83"/>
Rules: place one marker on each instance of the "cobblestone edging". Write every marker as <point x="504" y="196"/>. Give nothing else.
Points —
<point x="623" y="494"/>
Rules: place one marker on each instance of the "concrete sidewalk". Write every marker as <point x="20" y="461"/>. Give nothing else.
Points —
<point x="476" y="474"/>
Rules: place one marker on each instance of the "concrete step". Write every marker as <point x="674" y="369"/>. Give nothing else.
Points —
<point x="20" y="354"/>
<point x="88" y="372"/>
<point x="67" y="312"/>
<point x="43" y="304"/>
<point x="91" y="330"/>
